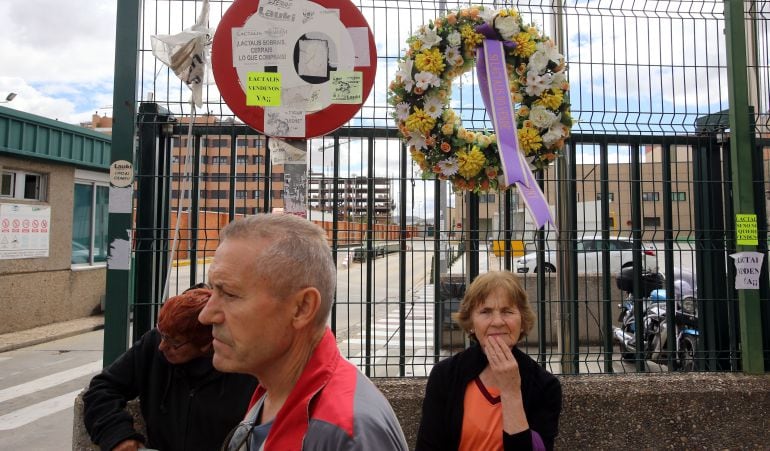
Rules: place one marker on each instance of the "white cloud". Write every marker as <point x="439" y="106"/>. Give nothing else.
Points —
<point x="58" y="56"/>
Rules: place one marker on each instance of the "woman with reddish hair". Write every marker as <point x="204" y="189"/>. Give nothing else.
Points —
<point x="491" y="396"/>
<point x="186" y="403"/>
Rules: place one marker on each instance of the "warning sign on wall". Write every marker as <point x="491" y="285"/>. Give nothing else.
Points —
<point x="24" y="231"/>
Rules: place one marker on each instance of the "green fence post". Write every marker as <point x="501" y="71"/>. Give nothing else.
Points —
<point x="741" y="134"/>
<point x="119" y="225"/>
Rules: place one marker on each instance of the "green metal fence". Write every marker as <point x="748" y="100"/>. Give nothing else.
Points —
<point x="665" y="152"/>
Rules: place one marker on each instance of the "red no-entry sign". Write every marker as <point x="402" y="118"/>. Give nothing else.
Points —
<point x="294" y="68"/>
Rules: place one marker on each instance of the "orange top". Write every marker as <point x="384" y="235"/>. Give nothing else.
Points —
<point x="482" y="418"/>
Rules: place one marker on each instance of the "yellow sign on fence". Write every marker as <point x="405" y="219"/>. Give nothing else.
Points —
<point x="746" y="229"/>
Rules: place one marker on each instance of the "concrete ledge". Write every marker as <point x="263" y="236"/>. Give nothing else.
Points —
<point x="628" y="411"/>
<point x="43" y="334"/>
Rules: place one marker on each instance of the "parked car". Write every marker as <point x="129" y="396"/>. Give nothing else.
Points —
<point x="589" y="256"/>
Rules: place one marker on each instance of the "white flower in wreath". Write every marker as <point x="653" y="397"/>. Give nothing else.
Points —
<point x="402" y="111"/>
<point x="550" y="51"/>
<point x="454" y="39"/>
<point x="507" y="26"/>
<point x="537" y="83"/>
<point x="404" y="71"/>
<point x="559" y="80"/>
<point x="555" y="133"/>
<point x="488" y="14"/>
<point x="448" y="166"/>
<point x="429" y="39"/>
<point x="538" y="62"/>
<point x="433" y="106"/>
<point x="426" y="79"/>
<point x="541" y="117"/>
<point x="417" y="140"/>
<point x="452" y="54"/>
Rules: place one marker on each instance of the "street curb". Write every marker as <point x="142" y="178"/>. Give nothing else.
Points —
<point x="42" y="337"/>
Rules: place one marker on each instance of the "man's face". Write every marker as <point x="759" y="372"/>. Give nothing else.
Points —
<point x="251" y="327"/>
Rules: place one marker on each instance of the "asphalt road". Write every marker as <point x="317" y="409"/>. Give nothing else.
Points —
<point x="38" y="386"/>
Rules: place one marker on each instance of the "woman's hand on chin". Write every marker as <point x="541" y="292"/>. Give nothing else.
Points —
<point x="505" y="369"/>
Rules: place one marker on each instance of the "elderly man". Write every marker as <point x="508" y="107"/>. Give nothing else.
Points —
<point x="274" y="280"/>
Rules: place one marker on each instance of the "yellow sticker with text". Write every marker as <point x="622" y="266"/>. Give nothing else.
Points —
<point x="746" y="229"/>
<point x="263" y="89"/>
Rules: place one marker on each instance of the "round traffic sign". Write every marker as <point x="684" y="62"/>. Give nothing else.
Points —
<point x="294" y="68"/>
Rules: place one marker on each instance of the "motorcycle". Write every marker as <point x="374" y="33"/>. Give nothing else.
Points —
<point x="654" y="319"/>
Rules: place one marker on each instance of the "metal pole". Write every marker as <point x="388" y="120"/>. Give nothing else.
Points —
<point x="565" y="211"/>
<point x="119" y="224"/>
<point x="741" y="159"/>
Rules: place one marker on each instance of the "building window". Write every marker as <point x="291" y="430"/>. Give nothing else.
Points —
<point x="486" y="198"/>
<point x="179" y="141"/>
<point x="242" y="142"/>
<point x="651" y="196"/>
<point x="611" y="222"/>
<point x="23" y="185"/>
<point x="277" y="176"/>
<point x="679" y="196"/>
<point x="213" y="194"/>
<point x="258" y="159"/>
<point x="175" y="194"/>
<point x="278" y="194"/>
<point x="651" y="221"/>
<point x="215" y="142"/>
<point x="610" y="196"/>
<point x="247" y="177"/>
<point x="257" y="194"/>
<point x="218" y="160"/>
<point x="89" y="223"/>
<point x="215" y="177"/>
<point x="240" y="194"/>
<point x="241" y="159"/>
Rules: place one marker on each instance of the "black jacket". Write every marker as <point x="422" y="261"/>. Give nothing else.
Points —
<point x="185" y="407"/>
<point x="442" y="408"/>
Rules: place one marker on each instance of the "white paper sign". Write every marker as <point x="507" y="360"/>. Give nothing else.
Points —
<point x="285" y="123"/>
<point x="287" y="152"/>
<point x="360" y="37"/>
<point x="748" y="267"/>
<point x="121" y="200"/>
<point x="24" y="231"/>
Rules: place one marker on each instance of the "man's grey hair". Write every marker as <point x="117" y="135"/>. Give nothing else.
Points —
<point x="297" y="255"/>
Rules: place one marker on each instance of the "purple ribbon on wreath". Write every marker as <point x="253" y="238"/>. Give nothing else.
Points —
<point x="496" y="94"/>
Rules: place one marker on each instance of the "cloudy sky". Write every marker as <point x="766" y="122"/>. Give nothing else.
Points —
<point x="58" y="56"/>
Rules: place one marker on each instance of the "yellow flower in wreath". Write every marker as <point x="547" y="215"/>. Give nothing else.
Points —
<point x="551" y="100"/>
<point x="530" y="140"/>
<point x="430" y="60"/>
<point x="525" y="46"/>
<point x="469" y="164"/>
<point x="420" y="121"/>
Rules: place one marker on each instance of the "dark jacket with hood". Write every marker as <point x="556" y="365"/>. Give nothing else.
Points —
<point x="442" y="408"/>
<point x="191" y="406"/>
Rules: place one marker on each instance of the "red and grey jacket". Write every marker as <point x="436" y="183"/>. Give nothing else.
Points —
<point x="333" y="406"/>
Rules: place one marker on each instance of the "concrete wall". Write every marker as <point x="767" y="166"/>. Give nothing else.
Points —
<point x="625" y="411"/>
<point x="39" y="291"/>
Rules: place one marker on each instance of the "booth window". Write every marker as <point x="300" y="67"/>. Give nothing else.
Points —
<point x="23" y="185"/>
<point x="89" y="223"/>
